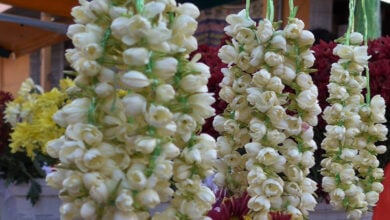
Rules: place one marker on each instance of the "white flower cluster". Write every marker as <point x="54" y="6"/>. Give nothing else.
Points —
<point x="272" y="108"/>
<point x="131" y="139"/>
<point x="351" y="174"/>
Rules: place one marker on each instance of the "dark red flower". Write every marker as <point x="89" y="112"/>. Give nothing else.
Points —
<point x="229" y="207"/>
<point x="280" y="216"/>
<point x="210" y="58"/>
<point x="5" y="128"/>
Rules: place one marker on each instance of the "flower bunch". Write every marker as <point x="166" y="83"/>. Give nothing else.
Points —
<point x="26" y="128"/>
<point x="30" y="116"/>
<point x="131" y="138"/>
<point x="350" y="168"/>
<point x="266" y="144"/>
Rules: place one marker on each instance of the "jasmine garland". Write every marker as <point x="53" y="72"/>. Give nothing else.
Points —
<point x="131" y="139"/>
<point x="272" y="108"/>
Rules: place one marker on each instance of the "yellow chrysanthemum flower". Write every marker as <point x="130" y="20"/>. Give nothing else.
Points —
<point x="31" y="118"/>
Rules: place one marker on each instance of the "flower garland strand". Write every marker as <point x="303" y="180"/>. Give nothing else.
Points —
<point x="131" y="139"/>
<point x="269" y="90"/>
<point x="350" y="169"/>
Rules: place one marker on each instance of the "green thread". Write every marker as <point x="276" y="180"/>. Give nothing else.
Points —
<point x="152" y="163"/>
<point x="368" y="93"/>
<point x="351" y="20"/>
<point x="247" y="8"/>
<point x="92" y="111"/>
<point x="270" y="10"/>
<point x="139" y="5"/>
<point x="293" y="9"/>
<point x="106" y="37"/>
<point x="365" y="22"/>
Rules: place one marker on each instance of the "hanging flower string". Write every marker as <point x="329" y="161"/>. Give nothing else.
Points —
<point x="131" y="139"/>
<point x="350" y="168"/>
<point x="267" y="127"/>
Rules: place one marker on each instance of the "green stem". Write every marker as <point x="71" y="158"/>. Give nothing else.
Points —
<point x="270" y="10"/>
<point x="293" y="9"/>
<point x="139" y="5"/>
<point x="365" y="22"/>
<point x="247" y="8"/>
<point x="350" y="21"/>
<point x="92" y="111"/>
<point x="368" y="94"/>
<point x="152" y="162"/>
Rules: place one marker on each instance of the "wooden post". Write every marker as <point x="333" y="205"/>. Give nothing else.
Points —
<point x="45" y="60"/>
<point x="1" y="74"/>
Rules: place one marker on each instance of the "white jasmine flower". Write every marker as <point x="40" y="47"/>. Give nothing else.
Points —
<point x="136" y="56"/>
<point x="259" y="204"/>
<point x="99" y="192"/>
<point x="306" y="38"/>
<point x="378" y="109"/>
<point x="257" y="56"/>
<point x="188" y="9"/>
<point x="130" y="30"/>
<point x="237" y="21"/>
<point x="165" y="68"/>
<point x="152" y="9"/>
<point x="194" y="83"/>
<point x="74" y="112"/>
<point x="228" y="54"/>
<point x="88" y="210"/>
<point x="273" y="59"/>
<point x="264" y="30"/>
<point x="267" y="156"/>
<point x="356" y="38"/>
<point x="306" y="99"/>
<point x="272" y="188"/>
<point x="134" y="79"/>
<point x="135" y="104"/>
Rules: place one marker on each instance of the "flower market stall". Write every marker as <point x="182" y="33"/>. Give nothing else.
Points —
<point x="152" y="125"/>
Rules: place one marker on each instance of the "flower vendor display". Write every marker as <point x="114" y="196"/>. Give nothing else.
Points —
<point x="350" y="169"/>
<point x="131" y="137"/>
<point x="26" y="127"/>
<point x="266" y="145"/>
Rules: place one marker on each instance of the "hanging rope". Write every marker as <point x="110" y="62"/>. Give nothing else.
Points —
<point x="368" y="94"/>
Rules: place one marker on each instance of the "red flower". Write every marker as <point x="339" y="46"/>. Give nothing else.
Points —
<point x="280" y="216"/>
<point x="5" y="128"/>
<point x="210" y="58"/>
<point x="229" y="207"/>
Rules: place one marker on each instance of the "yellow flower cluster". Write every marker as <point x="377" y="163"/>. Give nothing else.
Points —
<point x="30" y="115"/>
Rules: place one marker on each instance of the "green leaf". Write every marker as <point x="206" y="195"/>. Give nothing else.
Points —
<point x="34" y="192"/>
